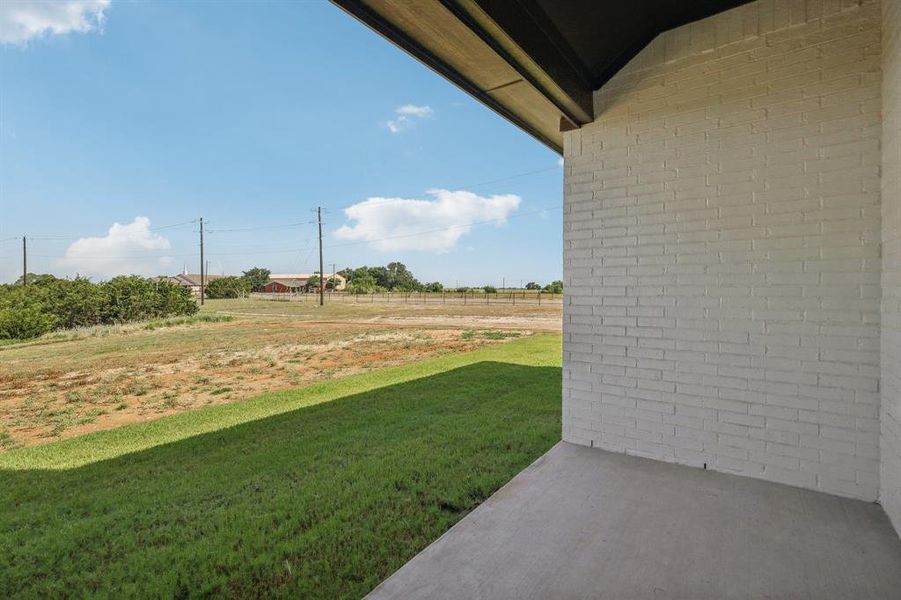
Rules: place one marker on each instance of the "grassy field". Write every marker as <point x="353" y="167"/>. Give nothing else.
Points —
<point x="314" y="492"/>
<point x="72" y="383"/>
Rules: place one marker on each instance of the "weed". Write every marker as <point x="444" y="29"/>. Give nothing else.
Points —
<point x="489" y="334"/>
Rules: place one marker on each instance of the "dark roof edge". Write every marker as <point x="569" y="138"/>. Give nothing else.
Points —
<point x="580" y="109"/>
<point x="373" y="20"/>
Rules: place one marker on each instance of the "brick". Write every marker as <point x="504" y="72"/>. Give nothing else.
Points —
<point x="724" y="214"/>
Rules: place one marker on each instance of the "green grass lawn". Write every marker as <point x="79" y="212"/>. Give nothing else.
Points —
<point x="318" y="492"/>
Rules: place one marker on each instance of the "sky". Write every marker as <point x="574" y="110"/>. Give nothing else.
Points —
<point x="123" y="123"/>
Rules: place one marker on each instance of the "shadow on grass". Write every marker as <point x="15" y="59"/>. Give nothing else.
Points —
<point x="321" y="502"/>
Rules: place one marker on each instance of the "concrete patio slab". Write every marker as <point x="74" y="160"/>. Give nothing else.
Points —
<point x="588" y="524"/>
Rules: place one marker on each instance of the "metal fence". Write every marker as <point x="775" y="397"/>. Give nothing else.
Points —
<point x="522" y="297"/>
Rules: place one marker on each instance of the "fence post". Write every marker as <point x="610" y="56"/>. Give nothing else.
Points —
<point x="539" y="297"/>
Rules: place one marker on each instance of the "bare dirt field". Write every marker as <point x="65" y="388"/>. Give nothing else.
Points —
<point x="72" y="383"/>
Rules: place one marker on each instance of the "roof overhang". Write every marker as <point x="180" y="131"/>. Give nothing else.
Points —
<point x="534" y="62"/>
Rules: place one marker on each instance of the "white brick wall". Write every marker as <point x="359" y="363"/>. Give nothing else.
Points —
<point x="890" y="443"/>
<point x="721" y="249"/>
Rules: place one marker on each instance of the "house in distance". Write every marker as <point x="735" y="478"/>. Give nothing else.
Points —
<point x="189" y="280"/>
<point x="286" y="283"/>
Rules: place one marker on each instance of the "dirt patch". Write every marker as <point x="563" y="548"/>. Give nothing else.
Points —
<point x="75" y="387"/>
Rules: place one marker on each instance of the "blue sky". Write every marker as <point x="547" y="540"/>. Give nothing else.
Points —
<point x="251" y="114"/>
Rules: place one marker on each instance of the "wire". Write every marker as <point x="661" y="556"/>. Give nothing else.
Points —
<point x="293" y="249"/>
<point x="260" y="228"/>
<point x="161" y="227"/>
<point x="67" y="238"/>
<point x="291" y="225"/>
<point x="464" y="226"/>
<point x="468" y="186"/>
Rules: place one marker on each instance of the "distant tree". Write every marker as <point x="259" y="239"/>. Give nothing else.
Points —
<point x="400" y="278"/>
<point x="489" y="289"/>
<point x="395" y="277"/>
<point x="351" y="275"/>
<point x="313" y="283"/>
<point x="228" y="287"/>
<point x="533" y="286"/>
<point x="381" y="275"/>
<point x="555" y="287"/>
<point x="362" y="284"/>
<point x="463" y="290"/>
<point x="256" y="278"/>
<point x="36" y="278"/>
<point x="435" y="286"/>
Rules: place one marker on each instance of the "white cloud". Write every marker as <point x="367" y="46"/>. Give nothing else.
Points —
<point x="423" y="112"/>
<point x="24" y="20"/>
<point x="398" y="223"/>
<point x="130" y="249"/>
<point x="407" y="116"/>
<point x="560" y="162"/>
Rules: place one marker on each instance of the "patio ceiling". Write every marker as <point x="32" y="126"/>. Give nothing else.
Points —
<point x="535" y="62"/>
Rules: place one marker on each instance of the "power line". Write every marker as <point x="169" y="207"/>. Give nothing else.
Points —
<point x="467" y="186"/>
<point x="462" y="226"/>
<point x="313" y="246"/>
<point x="260" y="228"/>
<point x="161" y="227"/>
<point x="79" y="237"/>
<point x="289" y="225"/>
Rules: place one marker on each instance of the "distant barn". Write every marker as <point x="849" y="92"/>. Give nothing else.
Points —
<point x="285" y="285"/>
<point x="296" y="282"/>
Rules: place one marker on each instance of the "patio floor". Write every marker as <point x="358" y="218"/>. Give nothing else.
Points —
<point x="588" y="524"/>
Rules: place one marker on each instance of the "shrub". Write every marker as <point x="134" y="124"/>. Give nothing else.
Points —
<point x="228" y="287"/>
<point x="489" y="289"/>
<point x="24" y="323"/>
<point x="133" y="298"/>
<point x="34" y="309"/>
<point x="74" y="303"/>
<point x="555" y="287"/>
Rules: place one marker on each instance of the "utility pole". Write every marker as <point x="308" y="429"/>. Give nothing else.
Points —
<point x="321" y="266"/>
<point x="24" y="262"/>
<point x="202" y="282"/>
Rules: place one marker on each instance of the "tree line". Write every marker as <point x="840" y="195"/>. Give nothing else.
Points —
<point x="396" y="277"/>
<point x="393" y="277"/>
<point x="48" y="303"/>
